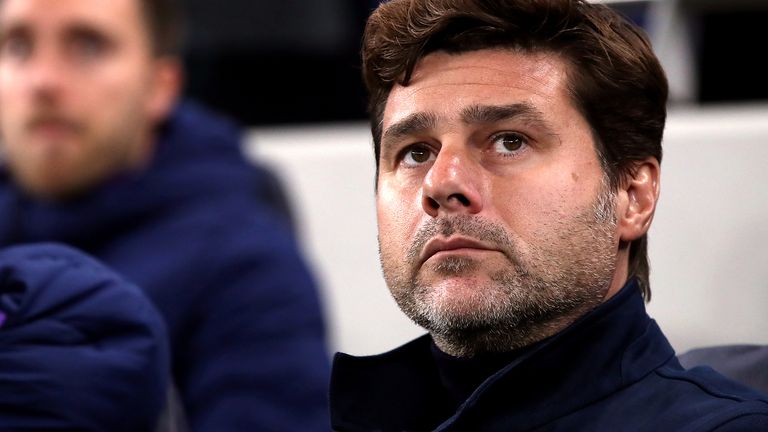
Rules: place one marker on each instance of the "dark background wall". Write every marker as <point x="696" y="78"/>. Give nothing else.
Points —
<point x="727" y="40"/>
<point x="297" y="61"/>
<point x="276" y="61"/>
<point x="732" y="48"/>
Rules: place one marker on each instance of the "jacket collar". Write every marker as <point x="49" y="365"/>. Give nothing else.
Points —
<point x="611" y="347"/>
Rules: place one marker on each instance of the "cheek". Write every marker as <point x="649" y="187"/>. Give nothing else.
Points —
<point x="120" y="91"/>
<point x="527" y="203"/>
<point x="118" y="81"/>
<point x="397" y="211"/>
<point x="387" y="214"/>
<point x="116" y="101"/>
<point x="12" y="96"/>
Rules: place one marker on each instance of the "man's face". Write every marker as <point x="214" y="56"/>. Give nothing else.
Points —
<point x="496" y="225"/>
<point x="79" y="91"/>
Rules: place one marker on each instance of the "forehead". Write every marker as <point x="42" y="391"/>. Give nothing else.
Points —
<point x="108" y="15"/>
<point x="445" y="84"/>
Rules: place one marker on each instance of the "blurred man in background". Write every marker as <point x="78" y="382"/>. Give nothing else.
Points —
<point x="99" y="154"/>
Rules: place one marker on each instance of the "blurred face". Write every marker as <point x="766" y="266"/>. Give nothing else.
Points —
<point x="80" y="92"/>
<point x="496" y="227"/>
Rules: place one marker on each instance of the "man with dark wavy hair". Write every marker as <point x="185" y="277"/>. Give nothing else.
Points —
<point x="518" y="149"/>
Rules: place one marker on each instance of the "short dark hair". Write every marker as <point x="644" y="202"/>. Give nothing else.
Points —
<point x="164" y="22"/>
<point x="614" y="78"/>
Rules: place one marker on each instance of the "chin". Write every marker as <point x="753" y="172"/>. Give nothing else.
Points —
<point x="55" y="189"/>
<point x="463" y="301"/>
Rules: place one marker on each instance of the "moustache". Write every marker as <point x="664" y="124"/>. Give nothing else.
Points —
<point x="52" y="119"/>
<point x="467" y="226"/>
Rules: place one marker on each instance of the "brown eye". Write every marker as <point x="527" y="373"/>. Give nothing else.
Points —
<point x="16" y="47"/>
<point x="416" y="155"/>
<point x="89" y="46"/>
<point x="509" y="143"/>
<point x="419" y="155"/>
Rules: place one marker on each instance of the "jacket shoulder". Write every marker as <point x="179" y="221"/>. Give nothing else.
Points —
<point x="745" y="423"/>
<point x="705" y="400"/>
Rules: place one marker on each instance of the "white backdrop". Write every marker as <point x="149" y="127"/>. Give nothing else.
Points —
<point x="707" y="245"/>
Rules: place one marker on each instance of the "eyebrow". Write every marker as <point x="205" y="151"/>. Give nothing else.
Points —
<point x="411" y="125"/>
<point x="83" y="29"/>
<point x="74" y="29"/>
<point x="524" y="112"/>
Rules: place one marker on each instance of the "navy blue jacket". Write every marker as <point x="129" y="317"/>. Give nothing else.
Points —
<point x="612" y="370"/>
<point x="80" y="348"/>
<point x="193" y="231"/>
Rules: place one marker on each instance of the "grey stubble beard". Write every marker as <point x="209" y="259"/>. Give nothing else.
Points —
<point x="561" y="277"/>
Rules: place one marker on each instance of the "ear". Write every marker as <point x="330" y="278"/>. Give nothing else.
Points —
<point x="166" y="85"/>
<point x="638" y="195"/>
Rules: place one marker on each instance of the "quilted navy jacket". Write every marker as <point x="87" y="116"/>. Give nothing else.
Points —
<point x="80" y="348"/>
<point x="196" y="232"/>
<point x="612" y="370"/>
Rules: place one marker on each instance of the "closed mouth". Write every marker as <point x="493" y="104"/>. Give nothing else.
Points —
<point x="437" y="245"/>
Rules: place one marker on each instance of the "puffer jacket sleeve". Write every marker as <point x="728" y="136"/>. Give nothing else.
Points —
<point x="80" y="348"/>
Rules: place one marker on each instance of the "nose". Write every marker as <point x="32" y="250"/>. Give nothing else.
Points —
<point x="453" y="184"/>
<point x="45" y="74"/>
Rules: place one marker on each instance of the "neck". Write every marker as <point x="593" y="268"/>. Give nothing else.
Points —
<point x="141" y="154"/>
<point x="470" y="343"/>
